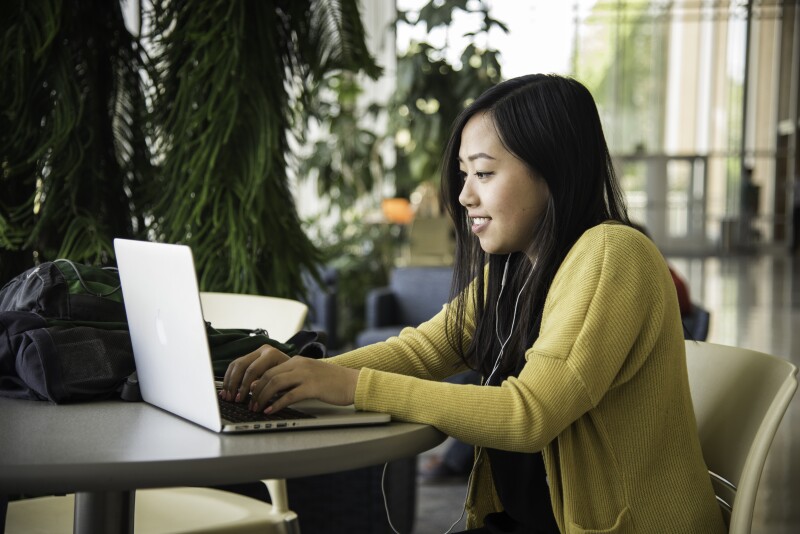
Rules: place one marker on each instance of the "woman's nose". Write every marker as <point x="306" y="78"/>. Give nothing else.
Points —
<point x="467" y="196"/>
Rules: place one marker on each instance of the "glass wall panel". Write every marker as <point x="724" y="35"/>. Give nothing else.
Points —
<point x="673" y="81"/>
<point x="688" y="92"/>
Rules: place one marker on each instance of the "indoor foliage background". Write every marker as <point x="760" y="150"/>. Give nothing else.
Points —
<point x="177" y="131"/>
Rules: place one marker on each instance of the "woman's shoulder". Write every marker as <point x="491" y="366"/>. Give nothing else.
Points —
<point x="610" y="248"/>
<point x="613" y="239"/>
<point x="614" y="230"/>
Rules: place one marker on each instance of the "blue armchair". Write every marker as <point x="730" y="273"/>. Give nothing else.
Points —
<point x="414" y="295"/>
<point x="696" y="322"/>
<point x="322" y="302"/>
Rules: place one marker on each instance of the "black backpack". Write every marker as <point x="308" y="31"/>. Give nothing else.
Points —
<point x="64" y="336"/>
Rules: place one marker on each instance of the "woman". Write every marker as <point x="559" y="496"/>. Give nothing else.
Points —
<point x="584" y="422"/>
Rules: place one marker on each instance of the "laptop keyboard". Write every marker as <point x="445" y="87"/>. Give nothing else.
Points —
<point x="239" y="413"/>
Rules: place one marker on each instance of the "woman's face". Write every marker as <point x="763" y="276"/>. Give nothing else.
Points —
<point x="504" y="200"/>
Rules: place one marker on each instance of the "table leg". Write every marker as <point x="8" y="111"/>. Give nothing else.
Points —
<point x="100" y="512"/>
<point x="279" y="496"/>
<point x="3" y="508"/>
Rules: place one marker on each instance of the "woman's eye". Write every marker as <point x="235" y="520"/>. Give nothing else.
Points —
<point x="479" y="175"/>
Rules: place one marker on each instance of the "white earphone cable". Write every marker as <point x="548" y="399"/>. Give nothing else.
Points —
<point x="463" y="508"/>
<point x="494" y="368"/>
<point x="513" y="321"/>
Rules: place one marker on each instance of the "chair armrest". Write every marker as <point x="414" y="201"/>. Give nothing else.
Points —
<point x="381" y="308"/>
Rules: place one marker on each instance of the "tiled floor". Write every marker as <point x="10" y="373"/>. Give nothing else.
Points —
<point x="754" y="303"/>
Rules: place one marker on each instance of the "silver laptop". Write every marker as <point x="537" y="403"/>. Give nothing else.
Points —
<point x="170" y="347"/>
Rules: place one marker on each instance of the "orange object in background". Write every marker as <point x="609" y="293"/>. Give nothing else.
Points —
<point x="397" y="210"/>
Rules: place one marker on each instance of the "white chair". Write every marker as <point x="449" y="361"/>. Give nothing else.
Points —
<point x="281" y="318"/>
<point x="192" y="510"/>
<point x="165" y="511"/>
<point x="739" y="398"/>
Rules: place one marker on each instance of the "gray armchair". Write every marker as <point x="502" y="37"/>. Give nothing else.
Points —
<point x="414" y="295"/>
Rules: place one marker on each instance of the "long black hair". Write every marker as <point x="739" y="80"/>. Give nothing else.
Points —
<point x="551" y="124"/>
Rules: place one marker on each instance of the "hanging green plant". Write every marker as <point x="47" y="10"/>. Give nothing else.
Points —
<point x="230" y="78"/>
<point x="72" y="147"/>
<point x="187" y="143"/>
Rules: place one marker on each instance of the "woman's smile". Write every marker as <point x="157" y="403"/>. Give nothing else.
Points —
<point x="478" y="224"/>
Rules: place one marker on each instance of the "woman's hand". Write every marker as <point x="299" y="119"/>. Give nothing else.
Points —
<point x="302" y="378"/>
<point x="243" y="371"/>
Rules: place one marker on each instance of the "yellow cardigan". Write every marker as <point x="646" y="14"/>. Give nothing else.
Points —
<point x="604" y="394"/>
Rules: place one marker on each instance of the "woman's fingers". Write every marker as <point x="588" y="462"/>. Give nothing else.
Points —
<point x="234" y="373"/>
<point x="302" y="378"/>
<point x="273" y="381"/>
<point x="277" y="392"/>
<point x="290" y="397"/>
<point x="243" y="371"/>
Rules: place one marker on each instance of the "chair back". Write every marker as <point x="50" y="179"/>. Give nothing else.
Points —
<point x="431" y="242"/>
<point x="696" y="323"/>
<point x="322" y="298"/>
<point x="281" y="318"/>
<point x="420" y="292"/>
<point x="739" y="398"/>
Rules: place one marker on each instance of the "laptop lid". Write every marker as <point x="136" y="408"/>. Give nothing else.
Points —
<point x="170" y="347"/>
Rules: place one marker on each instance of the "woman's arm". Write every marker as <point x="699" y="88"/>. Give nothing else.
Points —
<point x="422" y="352"/>
<point x="603" y="314"/>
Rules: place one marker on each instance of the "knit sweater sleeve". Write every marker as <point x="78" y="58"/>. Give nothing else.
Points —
<point x="593" y="315"/>
<point x="422" y="352"/>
